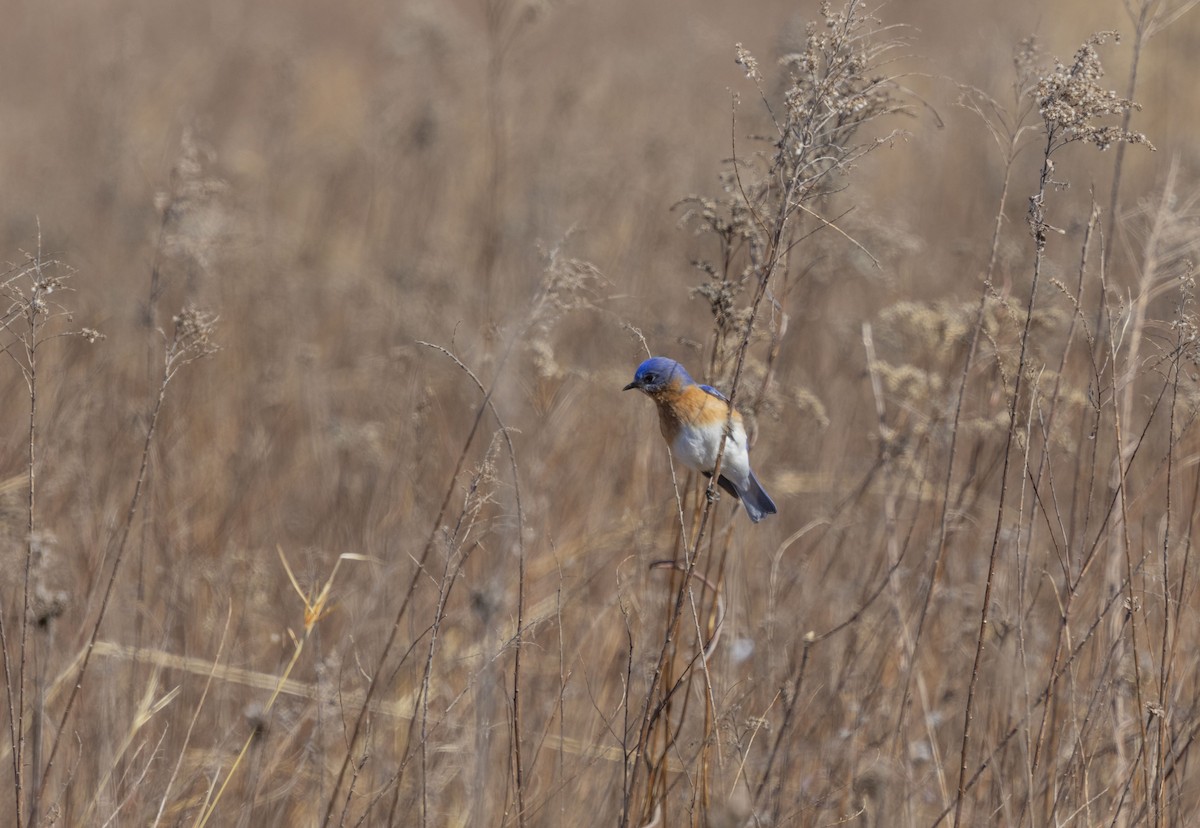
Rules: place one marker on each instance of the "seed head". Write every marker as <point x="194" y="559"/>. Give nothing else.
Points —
<point x="1072" y="101"/>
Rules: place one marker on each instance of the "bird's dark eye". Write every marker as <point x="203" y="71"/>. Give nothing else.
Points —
<point x="649" y="379"/>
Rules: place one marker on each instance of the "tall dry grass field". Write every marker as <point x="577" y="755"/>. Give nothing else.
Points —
<point x="320" y="503"/>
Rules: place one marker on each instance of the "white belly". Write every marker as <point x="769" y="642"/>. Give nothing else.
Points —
<point x="697" y="449"/>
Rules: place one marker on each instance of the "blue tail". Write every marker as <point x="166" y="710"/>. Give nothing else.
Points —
<point x="755" y="498"/>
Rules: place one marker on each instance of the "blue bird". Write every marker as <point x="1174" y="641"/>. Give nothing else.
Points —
<point x="692" y="418"/>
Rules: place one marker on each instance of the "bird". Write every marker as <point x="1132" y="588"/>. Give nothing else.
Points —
<point x="692" y="418"/>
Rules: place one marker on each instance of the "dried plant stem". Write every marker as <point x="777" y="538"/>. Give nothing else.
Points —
<point x="518" y="758"/>
<point x="150" y="325"/>
<point x="1123" y="518"/>
<point x="192" y="723"/>
<point x="372" y="687"/>
<point x="191" y="341"/>
<point x="1166" y="653"/>
<point x="1071" y="591"/>
<point x="315" y="609"/>
<point x="447" y="583"/>
<point x="123" y="537"/>
<point x="28" y="310"/>
<point x="1038" y="223"/>
<point x="34" y="313"/>
<point x="373" y="684"/>
<point x="422" y="702"/>
<point x="650" y="710"/>
<point x="791" y="704"/>
<point x="1058" y="672"/>
<point x="31" y="384"/>
<point x="518" y="764"/>
<point x="944" y="519"/>
<point x="450" y="574"/>
<point x="756" y="220"/>
<point x="994" y="250"/>
<point x="12" y="722"/>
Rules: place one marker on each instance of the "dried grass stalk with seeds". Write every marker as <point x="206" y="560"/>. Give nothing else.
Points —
<point x="836" y="87"/>
<point x="32" y="317"/>
<point x="191" y="340"/>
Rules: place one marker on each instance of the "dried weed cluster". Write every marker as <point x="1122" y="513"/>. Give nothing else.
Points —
<point x="1072" y="101"/>
<point x="832" y="93"/>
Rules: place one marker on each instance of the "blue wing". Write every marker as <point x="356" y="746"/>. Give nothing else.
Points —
<point x="708" y="389"/>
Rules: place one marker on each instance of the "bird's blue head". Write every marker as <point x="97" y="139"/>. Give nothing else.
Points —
<point x="657" y="374"/>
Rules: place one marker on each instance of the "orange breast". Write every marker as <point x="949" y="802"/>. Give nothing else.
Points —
<point x="689" y="406"/>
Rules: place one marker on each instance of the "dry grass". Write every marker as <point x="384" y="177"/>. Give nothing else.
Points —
<point x="307" y="510"/>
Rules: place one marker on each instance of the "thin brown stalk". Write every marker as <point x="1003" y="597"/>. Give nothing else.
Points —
<point x="112" y="578"/>
<point x="192" y="723"/>
<point x="12" y="721"/>
<point x="1039" y="228"/>
<point x="1133" y="607"/>
<point x="1165" y="660"/>
<point x="31" y="382"/>
<point x="373" y="684"/>
<point x="765" y="214"/>
<point x="691" y="559"/>
<point x="1061" y="670"/>
<point x="316" y="607"/>
<point x="1066" y="610"/>
<point x="518" y="764"/>
<point x="191" y="342"/>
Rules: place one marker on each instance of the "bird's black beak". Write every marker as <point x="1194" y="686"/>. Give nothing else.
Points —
<point x="631" y="386"/>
